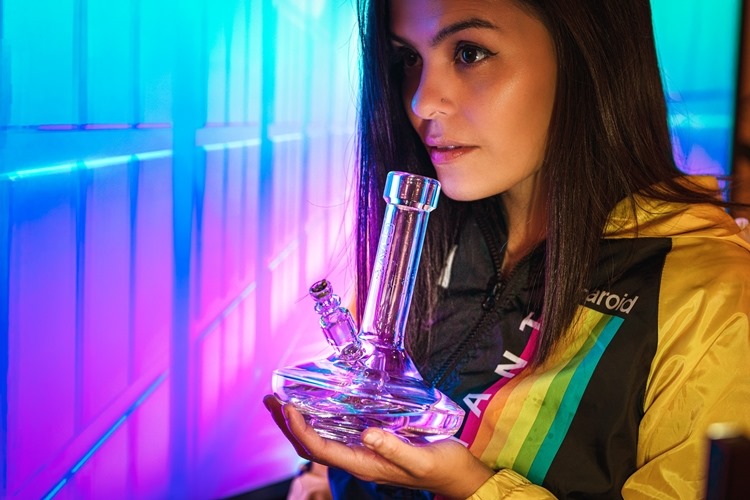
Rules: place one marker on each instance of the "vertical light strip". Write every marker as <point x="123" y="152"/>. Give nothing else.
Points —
<point x="265" y="186"/>
<point x="327" y="247"/>
<point x="228" y="20"/>
<point x="80" y="181"/>
<point x="188" y="115"/>
<point x="223" y="278"/>
<point x="245" y="154"/>
<point x="135" y="30"/>
<point x="5" y="242"/>
<point x="246" y="61"/>
<point x="133" y="177"/>
<point x="134" y="169"/>
<point x="307" y="165"/>
<point x="226" y="26"/>
<point x="80" y="60"/>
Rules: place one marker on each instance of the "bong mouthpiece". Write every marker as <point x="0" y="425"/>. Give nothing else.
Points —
<point x="413" y="191"/>
<point x="321" y="289"/>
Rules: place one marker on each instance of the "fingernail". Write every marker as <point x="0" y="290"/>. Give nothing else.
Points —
<point x="289" y="416"/>
<point x="372" y="439"/>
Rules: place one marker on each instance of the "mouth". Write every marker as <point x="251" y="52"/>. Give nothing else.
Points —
<point x="448" y="153"/>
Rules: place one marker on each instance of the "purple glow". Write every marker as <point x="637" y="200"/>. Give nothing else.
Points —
<point x="57" y="127"/>
<point x="107" y="126"/>
<point x="35" y="268"/>
<point x="106" y="272"/>
<point x="152" y="125"/>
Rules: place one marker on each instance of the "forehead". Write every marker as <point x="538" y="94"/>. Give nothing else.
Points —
<point x="414" y="17"/>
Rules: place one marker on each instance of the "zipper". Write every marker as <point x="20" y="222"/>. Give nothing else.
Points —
<point x="495" y="288"/>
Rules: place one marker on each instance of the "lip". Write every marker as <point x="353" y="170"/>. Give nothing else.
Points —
<point x="447" y="153"/>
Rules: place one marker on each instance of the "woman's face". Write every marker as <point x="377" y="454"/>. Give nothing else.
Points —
<point x="479" y="86"/>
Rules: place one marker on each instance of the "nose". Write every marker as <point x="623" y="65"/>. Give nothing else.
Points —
<point x="430" y="98"/>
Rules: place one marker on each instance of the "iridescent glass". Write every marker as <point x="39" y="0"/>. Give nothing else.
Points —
<point x="370" y="380"/>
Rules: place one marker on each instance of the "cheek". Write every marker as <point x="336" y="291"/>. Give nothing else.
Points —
<point x="521" y="113"/>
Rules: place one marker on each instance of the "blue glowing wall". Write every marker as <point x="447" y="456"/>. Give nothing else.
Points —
<point x="173" y="175"/>
<point x="698" y="45"/>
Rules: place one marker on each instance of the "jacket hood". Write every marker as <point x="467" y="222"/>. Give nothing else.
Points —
<point x="658" y="218"/>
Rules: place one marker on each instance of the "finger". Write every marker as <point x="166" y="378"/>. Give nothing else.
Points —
<point x="390" y="447"/>
<point x="446" y="467"/>
<point x="304" y="434"/>
<point x="325" y="451"/>
<point x="274" y="406"/>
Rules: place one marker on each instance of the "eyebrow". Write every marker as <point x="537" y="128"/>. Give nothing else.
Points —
<point x="471" y="23"/>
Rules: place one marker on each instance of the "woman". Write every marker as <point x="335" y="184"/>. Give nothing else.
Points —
<point x="585" y="303"/>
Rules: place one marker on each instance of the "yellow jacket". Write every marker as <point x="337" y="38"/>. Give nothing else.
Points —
<point x="655" y="356"/>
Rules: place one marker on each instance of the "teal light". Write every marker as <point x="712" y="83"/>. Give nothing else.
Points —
<point x="698" y="48"/>
<point x="232" y="145"/>
<point x="92" y="164"/>
<point x="38" y="172"/>
<point x="697" y="44"/>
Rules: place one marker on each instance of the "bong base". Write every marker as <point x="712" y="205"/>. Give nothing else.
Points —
<point x="343" y="418"/>
<point x="339" y="405"/>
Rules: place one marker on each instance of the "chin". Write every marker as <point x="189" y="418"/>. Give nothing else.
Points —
<point x="463" y="192"/>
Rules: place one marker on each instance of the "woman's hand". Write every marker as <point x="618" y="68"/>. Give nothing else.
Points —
<point x="444" y="467"/>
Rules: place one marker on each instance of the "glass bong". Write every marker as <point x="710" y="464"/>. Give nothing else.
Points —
<point x="370" y="381"/>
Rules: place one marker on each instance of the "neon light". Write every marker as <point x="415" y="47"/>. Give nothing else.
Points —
<point x="36" y="172"/>
<point x="107" y="126"/>
<point x="98" y="445"/>
<point x="56" y="489"/>
<point x="700" y="121"/>
<point x="227" y="310"/>
<point x="232" y="145"/>
<point x="291" y="247"/>
<point x="65" y="168"/>
<point x="107" y="162"/>
<point x="153" y="125"/>
<point x="296" y="136"/>
<point x="57" y="127"/>
<point x="156" y="383"/>
<point x="154" y="155"/>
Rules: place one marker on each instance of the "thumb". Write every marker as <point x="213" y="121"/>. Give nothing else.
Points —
<point x="387" y="445"/>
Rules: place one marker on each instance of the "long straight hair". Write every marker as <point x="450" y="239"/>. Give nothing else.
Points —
<point x="608" y="139"/>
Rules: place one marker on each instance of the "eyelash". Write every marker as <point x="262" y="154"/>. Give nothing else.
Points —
<point x="480" y="51"/>
<point x="403" y="53"/>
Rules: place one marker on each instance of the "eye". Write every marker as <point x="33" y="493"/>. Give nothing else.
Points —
<point x="471" y="54"/>
<point x="407" y="57"/>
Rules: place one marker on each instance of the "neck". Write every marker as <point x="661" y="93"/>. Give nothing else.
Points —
<point x="526" y="219"/>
